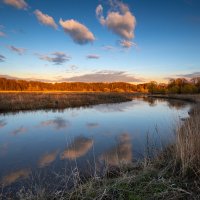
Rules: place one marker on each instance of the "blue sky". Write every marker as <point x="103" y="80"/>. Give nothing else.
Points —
<point x="130" y="40"/>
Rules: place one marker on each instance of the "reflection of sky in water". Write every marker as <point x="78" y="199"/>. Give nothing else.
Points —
<point x="44" y="138"/>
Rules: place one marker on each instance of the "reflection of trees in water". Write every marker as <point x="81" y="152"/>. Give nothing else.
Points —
<point x="15" y="176"/>
<point x="118" y="107"/>
<point x="47" y="159"/>
<point x="151" y="101"/>
<point x="79" y="147"/>
<point x="172" y="103"/>
<point x="120" y="154"/>
<point x="58" y="123"/>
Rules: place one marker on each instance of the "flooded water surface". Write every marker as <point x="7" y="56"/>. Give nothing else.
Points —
<point x="41" y="143"/>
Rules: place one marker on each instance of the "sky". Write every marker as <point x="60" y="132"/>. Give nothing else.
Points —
<point x="99" y="40"/>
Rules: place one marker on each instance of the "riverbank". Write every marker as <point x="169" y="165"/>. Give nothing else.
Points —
<point x="173" y="174"/>
<point x="18" y="101"/>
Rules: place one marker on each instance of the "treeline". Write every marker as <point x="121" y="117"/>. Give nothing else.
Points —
<point x="21" y="85"/>
<point x="176" y="86"/>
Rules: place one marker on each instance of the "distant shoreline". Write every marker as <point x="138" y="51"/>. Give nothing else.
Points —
<point x="11" y="101"/>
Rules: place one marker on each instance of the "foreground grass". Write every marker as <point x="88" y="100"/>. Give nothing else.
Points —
<point x="15" y="101"/>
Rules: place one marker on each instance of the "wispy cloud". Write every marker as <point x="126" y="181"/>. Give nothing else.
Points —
<point x="58" y="58"/>
<point x="2" y="58"/>
<point x="127" y="44"/>
<point x="73" y="67"/>
<point x="77" y="31"/>
<point x="108" y="47"/>
<point x="119" y="20"/>
<point x="17" y="50"/>
<point x="45" y="19"/>
<point x="104" y="76"/>
<point x="28" y="78"/>
<point x="93" y="56"/>
<point x="190" y="75"/>
<point x="19" y="4"/>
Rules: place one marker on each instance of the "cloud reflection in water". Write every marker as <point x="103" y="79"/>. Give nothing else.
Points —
<point x="47" y="159"/>
<point x="58" y="123"/>
<point x="120" y="154"/>
<point x="15" y="176"/>
<point x="79" y="147"/>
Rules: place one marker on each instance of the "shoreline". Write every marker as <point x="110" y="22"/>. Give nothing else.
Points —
<point x="15" y="101"/>
<point x="27" y="101"/>
<point x="172" y="174"/>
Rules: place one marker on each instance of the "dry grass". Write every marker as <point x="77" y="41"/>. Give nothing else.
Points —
<point x="186" y="150"/>
<point x="188" y="143"/>
<point x="56" y="100"/>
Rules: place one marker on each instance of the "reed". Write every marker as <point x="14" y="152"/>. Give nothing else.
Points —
<point x="188" y="143"/>
<point x="17" y="101"/>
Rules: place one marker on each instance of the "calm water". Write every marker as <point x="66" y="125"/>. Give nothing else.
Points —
<point x="44" y="142"/>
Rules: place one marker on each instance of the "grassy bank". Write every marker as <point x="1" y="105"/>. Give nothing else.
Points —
<point x="15" y="101"/>
<point x="173" y="174"/>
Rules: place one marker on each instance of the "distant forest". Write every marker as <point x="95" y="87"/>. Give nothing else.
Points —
<point x="179" y="85"/>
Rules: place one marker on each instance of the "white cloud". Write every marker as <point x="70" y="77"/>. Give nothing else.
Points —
<point x="77" y="31"/>
<point x="119" y="20"/>
<point x="20" y="4"/>
<point x="99" y="14"/>
<point x="45" y="19"/>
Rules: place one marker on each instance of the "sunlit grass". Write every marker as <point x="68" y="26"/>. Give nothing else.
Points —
<point x="56" y="100"/>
